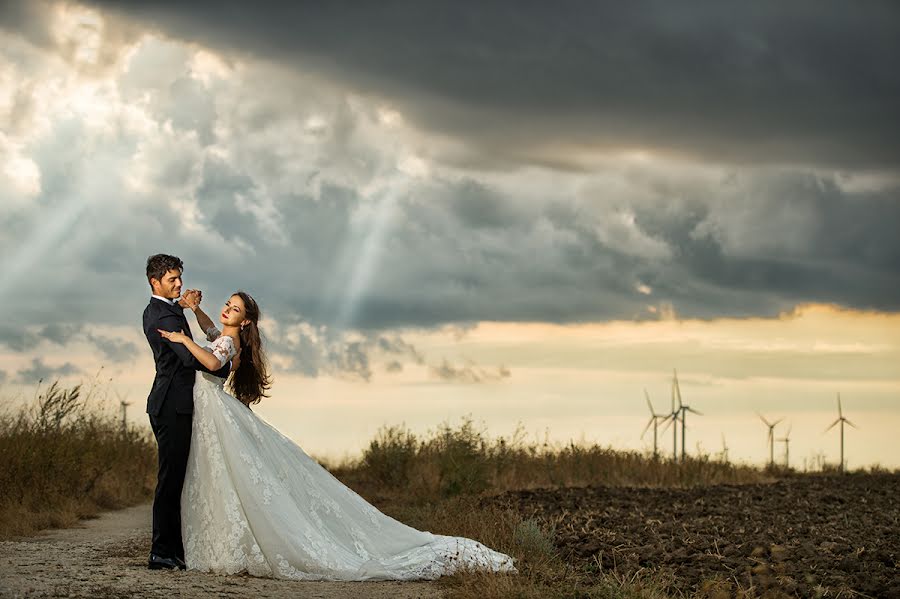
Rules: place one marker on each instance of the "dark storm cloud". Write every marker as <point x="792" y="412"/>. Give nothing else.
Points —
<point x="39" y="371"/>
<point x="266" y="183"/>
<point x="326" y="352"/>
<point x="20" y="338"/>
<point x="218" y="200"/>
<point x="351" y="358"/>
<point x="114" y="350"/>
<point x="59" y="333"/>
<point x="17" y="338"/>
<point x="25" y="339"/>
<point x="396" y="345"/>
<point x="805" y="82"/>
<point x="468" y="373"/>
<point x="28" y="19"/>
<point x="776" y="240"/>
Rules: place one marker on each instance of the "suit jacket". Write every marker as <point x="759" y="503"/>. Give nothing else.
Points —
<point x="175" y="365"/>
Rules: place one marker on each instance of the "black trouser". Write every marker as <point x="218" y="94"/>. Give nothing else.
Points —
<point x="173" y="436"/>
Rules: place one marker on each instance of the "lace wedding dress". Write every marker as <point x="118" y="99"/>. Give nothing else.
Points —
<point x="255" y="502"/>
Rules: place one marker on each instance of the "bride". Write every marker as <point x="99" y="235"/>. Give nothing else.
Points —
<point x="255" y="502"/>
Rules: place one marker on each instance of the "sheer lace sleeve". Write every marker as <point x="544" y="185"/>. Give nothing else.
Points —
<point x="212" y="333"/>
<point x="223" y="349"/>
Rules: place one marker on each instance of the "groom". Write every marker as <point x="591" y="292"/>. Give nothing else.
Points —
<point x="170" y="405"/>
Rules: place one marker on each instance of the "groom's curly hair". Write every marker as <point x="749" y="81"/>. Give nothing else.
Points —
<point x="159" y="264"/>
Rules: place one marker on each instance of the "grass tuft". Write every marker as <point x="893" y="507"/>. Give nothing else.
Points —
<point x="450" y="462"/>
<point x="65" y="458"/>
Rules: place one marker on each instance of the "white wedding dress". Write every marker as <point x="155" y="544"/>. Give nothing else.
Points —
<point x="254" y="502"/>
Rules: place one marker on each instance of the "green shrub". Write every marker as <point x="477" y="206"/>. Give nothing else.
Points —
<point x="390" y="454"/>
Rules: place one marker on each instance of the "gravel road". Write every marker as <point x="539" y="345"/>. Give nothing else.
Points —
<point x="107" y="557"/>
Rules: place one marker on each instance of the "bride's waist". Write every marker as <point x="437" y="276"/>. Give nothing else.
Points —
<point x="211" y="378"/>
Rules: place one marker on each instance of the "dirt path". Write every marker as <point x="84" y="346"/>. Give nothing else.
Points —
<point x="107" y="557"/>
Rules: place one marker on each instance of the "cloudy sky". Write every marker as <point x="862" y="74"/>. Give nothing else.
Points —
<point x="526" y="212"/>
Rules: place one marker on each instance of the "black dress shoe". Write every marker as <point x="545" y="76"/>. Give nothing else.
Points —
<point x="180" y="563"/>
<point x="161" y="563"/>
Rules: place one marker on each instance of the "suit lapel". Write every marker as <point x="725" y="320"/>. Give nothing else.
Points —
<point x="177" y="311"/>
<point x="187" y="328"/>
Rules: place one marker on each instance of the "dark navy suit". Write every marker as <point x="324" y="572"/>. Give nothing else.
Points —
<point x="170" y="406"/>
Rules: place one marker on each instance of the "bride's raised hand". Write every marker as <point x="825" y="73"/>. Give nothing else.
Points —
<point x="178" y="337"/>
<point x="191" y="299"/>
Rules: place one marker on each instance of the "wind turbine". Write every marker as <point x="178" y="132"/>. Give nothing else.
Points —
<point x="654" y="420"/>
<point x="123" y="406"/>
<point x="842" y="420"/>
<point x="684" y="410"/>
<point x="771" y="438"/>
<point x="724" y="449"/>
<point x="673" y="417"/>
<point x="786" y="439"/>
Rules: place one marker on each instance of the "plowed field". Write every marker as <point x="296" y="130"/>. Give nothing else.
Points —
<point x="806" y="536"/>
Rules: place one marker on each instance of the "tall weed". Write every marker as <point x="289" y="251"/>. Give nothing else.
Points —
<point x="65" y="457"/>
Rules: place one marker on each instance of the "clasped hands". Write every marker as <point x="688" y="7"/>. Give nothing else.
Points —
<point x="191" y="299"/>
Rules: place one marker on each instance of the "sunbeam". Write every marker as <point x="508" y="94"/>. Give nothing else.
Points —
<point x="359" y="259"/>
<point x="38" y="243"/>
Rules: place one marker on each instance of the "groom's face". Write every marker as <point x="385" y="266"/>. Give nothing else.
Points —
<point x="170" y="285"/>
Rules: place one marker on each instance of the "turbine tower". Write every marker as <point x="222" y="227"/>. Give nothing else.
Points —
<point x="771" y="438"/>
<point x="684" y="410"/>
<point x="654" y="421"/>
<point x="673" y="417"/>
<point x="724" y="449"/>
<point x="842" y="420"/>
<point x="123" y="407"/>
<point x="786" y="439"/>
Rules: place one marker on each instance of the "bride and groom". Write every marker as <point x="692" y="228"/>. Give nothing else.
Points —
<point x="235" y="495"/>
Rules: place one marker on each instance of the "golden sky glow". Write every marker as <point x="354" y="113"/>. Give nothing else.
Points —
<point x="587" y="381"/>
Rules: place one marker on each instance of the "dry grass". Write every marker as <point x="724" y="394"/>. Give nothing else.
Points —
<point x="464" y="461"/>
<point x="66" y="458"/>
<point x="435" y="484"/>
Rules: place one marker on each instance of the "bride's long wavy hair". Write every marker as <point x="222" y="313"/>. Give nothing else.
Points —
<point x="251" y="380"/>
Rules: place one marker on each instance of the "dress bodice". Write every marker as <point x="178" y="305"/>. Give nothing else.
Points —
<point x="222" y="347"/>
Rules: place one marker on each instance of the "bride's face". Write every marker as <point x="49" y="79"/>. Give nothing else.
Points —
<point x="234" y="312"/>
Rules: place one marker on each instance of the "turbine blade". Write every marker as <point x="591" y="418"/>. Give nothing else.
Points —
<point x="668" y="420"/>
<point x="673" y="396"/>
<point x="647" y="428"/>
<point x="832" y="425"/>
<point x="761" y="417"/>
<point x="851" y="424"/>
<point x="690" y="409"/>
<point x="678" y="390"/>
<point x="840" y="411"/>
<point x="649" y="405"/>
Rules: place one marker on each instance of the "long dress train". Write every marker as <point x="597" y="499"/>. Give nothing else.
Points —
<point x="255" y="502"/>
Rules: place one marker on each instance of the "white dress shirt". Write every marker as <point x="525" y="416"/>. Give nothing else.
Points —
<point x="165" y="299"/>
